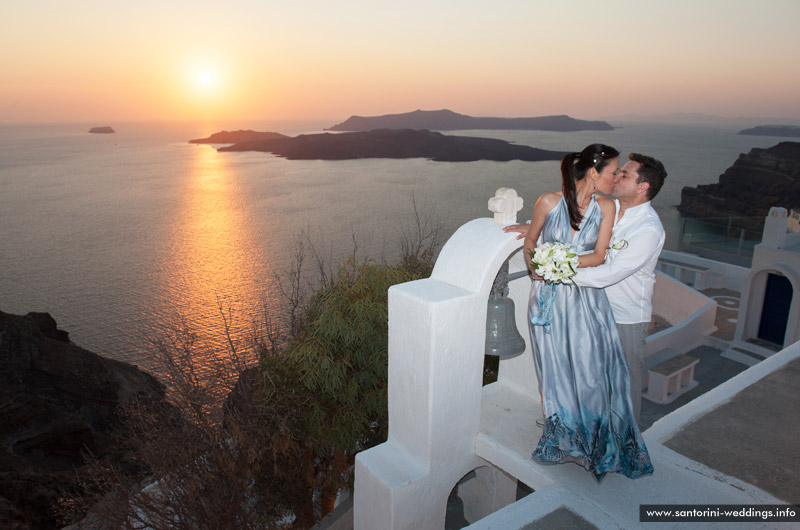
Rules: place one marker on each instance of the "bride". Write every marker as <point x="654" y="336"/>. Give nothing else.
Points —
<point x="583" y="376"/>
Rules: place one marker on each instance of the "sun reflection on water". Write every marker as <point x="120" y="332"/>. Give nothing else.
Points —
<point x="215" y="278"/>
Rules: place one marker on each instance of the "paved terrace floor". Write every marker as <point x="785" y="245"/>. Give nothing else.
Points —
<point x="755" y="436"/>
<point x="715" y="367"/>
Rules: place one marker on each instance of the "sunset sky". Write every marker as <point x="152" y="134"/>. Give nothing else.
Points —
<point x="106" y="61"/>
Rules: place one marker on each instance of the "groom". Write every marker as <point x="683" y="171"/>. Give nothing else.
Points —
<point x="628" y="273"/>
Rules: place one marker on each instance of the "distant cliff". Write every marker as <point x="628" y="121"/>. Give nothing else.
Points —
<point x="755" y="182"/>
<point x="791" y="131"/>
<point x="57" y="401"/>
<point x="395" y="143"/>
<point x="447" y="120"/>
<point x="232" y="137"/>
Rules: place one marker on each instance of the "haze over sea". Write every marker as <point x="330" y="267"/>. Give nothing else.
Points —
<point x="117" y="234"/>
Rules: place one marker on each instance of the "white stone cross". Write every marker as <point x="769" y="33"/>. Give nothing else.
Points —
<point x="505" y="204"/>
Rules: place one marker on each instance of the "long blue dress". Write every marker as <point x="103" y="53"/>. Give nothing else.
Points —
<point x="582" y="370"/>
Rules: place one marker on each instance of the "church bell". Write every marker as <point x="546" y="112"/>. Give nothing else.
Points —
<point x="502" y="337"/>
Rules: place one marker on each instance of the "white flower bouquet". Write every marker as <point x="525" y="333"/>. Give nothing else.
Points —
<point x="555" y="262"/>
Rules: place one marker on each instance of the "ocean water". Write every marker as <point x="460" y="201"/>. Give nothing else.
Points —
<point x="121" y="236"/>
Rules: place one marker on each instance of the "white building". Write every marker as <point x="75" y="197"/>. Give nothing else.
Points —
<point x="770" y="312"/>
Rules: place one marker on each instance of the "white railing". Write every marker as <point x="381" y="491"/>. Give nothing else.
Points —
<point x="703" y="272"/>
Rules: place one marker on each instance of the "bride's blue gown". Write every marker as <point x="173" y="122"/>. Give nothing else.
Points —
<point x="582" y="371"/>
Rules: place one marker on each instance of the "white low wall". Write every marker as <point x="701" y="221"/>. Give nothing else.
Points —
<point x="733" y="276"/>
<point x="691" y="314"/>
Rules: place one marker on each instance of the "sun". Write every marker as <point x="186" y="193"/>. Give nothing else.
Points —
<point x="205" y="78"/>
<point x="205" y="87"/>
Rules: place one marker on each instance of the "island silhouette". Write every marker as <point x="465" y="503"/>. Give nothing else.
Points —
<point x="447" y="120"/>
<point x="380" y="143"/>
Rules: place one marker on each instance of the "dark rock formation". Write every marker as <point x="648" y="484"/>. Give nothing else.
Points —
<point x="233" y="137"/>
<point x="57" y="400"/>
<point x="102" y="130"/>
<point x="757" y="181"/>
<point x="791" y="131"/>
<point x="395" y="143"/>
<point x="447" y="120"/>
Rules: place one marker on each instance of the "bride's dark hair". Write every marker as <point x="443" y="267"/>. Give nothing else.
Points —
<point x="574" y="167"/>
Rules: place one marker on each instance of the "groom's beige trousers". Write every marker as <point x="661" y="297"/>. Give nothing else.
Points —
<point x="632" y="337"/>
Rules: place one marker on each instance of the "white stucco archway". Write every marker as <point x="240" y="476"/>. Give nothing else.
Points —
<point x="752" y="303"/>
<point x="437" y="330"/>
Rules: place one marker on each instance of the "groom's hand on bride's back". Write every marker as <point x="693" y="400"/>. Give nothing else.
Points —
<point x="520" y="230"/>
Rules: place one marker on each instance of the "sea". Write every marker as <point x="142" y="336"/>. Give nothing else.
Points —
<point x="124" y="238"/>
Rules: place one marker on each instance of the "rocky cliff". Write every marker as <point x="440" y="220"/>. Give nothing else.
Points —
<point x="57" y="401"/>
<point x="755" y="182"/>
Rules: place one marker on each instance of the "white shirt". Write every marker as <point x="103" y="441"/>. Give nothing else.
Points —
<point x="628" y="274"/>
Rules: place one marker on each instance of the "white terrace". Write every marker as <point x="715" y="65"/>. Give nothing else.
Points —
<point x="444" y="425"/>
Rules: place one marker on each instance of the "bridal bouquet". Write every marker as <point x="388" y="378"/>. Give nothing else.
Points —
<point x="555" y="262"/>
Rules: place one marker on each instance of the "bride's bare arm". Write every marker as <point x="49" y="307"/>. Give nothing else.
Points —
<point x="544" y="204"/>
